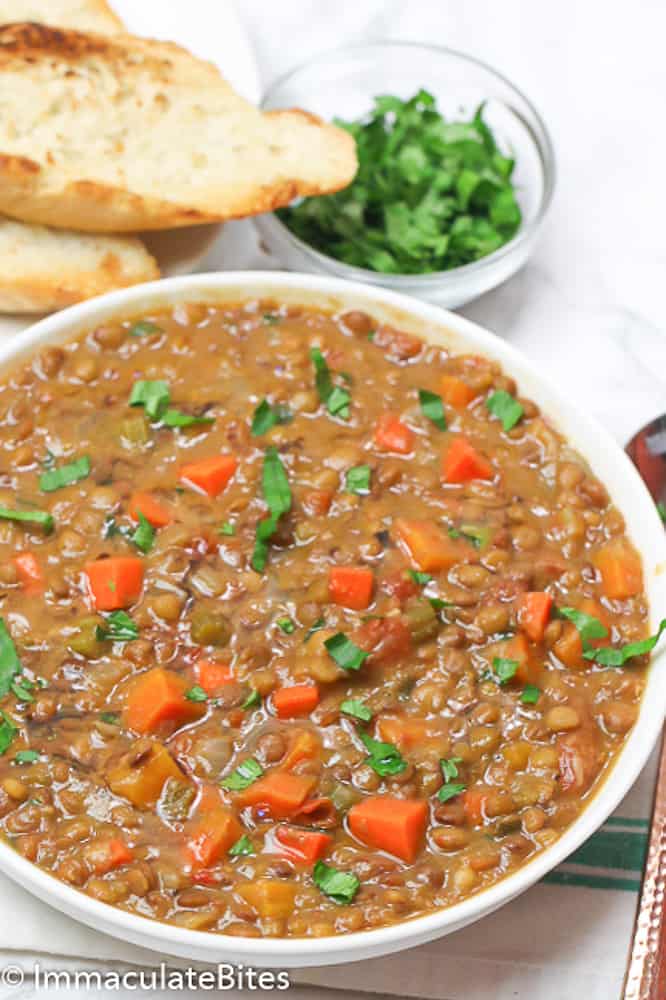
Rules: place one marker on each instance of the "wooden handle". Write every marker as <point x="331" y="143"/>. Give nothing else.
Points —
<point x="646" y="973"/>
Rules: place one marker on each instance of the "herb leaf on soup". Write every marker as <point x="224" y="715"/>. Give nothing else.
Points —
<point x="73" y="472"/>
<point x="383" y="758"/>
<point x="10" y="665"/>
<point x="153" y="396"/>
<point x="339" y="886"/>
<point x="357" y="480"/>
<point x="243" y="776"/>
<point x="345" y="652"/>
<point x="277" y="494"/>
<point x="432" y="407"/>
<point x="505" y="407"/>
<point x="40" y="518"/>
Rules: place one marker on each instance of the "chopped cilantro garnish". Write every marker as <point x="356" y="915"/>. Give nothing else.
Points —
<point x="277" y="495"/>
<point x="449" y="766"/>
<point x="608" y="656"/>
<point x="39" y="517"/>
<point x="357" y="480"/>
<point x="118" y="627"/>
<point x="438" y="604"/>
<point x="286" y="625"/>
<point x="196" y="694"/>
<point x="21" y="690"/>
<point x="504" y="669"/>
<point x="355" y="708"/>
<point x="336" y="399"/>
<point x="530" y="694"/>
<point x="339" y="886"/>
<point x="143" y="327"/>
<point x="226" y="528"/>
<point x="110" y="718"/>
<point x="154" y="396"/>
<point x="271" y="319"/>
<point x="429" y="194"/>
<point x="252" y="700"/>
<point x="10" y="664"/>
<point x="7" y="732"/>
<point x="243" y="776"/>
<point x="242" y="847"/>
<point x="450" y="791"/>
<point x="55" y="479"/>
<point x="26" y="757"/>
<point x="588" y="627"/>
<point x="175" y="418"/>
<point x="505" y="407"/>
<point x="266" y="417"/>
<point x="345" y="652"/>
<point x="432" y="407"/>
<point x="315" y="627"/>
<point x="420" y="578"/>
<point x="144" y="534"/>
<point x="478" y="535"/>
<point x="384" y="758"/>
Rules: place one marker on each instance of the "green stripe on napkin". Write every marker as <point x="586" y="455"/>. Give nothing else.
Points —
<point x="613" y="858"/>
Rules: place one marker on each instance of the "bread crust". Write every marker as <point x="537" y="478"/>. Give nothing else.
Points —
<point x="83" y="15"/>
<point x="158" y="139"/>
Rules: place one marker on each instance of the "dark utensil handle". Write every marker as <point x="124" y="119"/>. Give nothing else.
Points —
<point x="646" y="973"/>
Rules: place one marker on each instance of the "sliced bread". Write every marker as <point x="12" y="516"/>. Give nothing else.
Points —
<point x="43" y="269"/>
<point x="84" y="15"/>
<point x="121" y="133"/>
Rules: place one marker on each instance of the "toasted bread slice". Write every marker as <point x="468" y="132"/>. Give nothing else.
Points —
<point x="120" y="133"/>
<point x="44" y="269"/>
<point x="84" y="15"/>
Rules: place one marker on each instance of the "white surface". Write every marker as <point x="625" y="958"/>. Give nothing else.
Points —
<point x="607" y="461"/>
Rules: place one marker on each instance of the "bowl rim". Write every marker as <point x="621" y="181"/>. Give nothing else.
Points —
<point x="326" y="292"/>
<point x="540" y="138"/>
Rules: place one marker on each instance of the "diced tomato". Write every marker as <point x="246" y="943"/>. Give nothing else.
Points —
<point x="114" y="583"/>
<point x="351" y="586"/>
<point x="399" y="585"/>
<point x="317" y="502"/>
<point x="391" y="434"/>
<point x="461" y="462"/>
<point x="386" y="640"/>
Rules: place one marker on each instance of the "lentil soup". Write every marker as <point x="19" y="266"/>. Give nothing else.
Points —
<point x="307" y="627"/>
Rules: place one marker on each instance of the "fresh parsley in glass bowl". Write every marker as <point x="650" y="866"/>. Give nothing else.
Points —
<point x="456" y="173"/>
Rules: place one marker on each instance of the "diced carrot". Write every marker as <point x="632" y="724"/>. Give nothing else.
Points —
<point x="158" y="697"/>
<point x="281" y="793"/>
<point x="385" y="640"/>
<point x="392" y="435"/>
<point x="212" y="834"/>
<point x="299" y="699"/>
<point x="317" y="502"/>
<point x="430" y="548"/>
<point x="461" y="462"/>
<point x="210" y="475"/>
<point x="109" y="854"/>
<point x="406" y="733"/>
<point x="142" y="781"/>
<point x="569" y="647"/>
<point x="351" y="586"/>
<point x="270" y="897"/>
<point x="534" y="613"/>
<point x="621" y="571"/>
<point x="155" y="513"/>
<point x="212" y="675"/>
<point x="516" y="648"/>
<point x="302" y="845"/>
<point x="29" y="572"/>
<point x="304" y="745"/>
<point x="474" y="803"/>
<point x="455" y="392"/>
<point x="114" y="583"/>
<point x="317" y="812"/>
<point x="389" y="824"/>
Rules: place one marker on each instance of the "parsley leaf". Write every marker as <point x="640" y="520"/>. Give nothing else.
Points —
<point x="226" y="528"/>
<point x="243" y="776"/>
<point x="154" y="396"/>
<point x="286" y="625"/>
<point x="504" y="669"/>
<point x="429" y="194"/>
<point x="339" y="886"/>
<point x="110" y="718"/>
<point x="21" y="690"/>
<point x="588" y="627"/>
<point x="608" y="656"/>
<point x="196" y="694"/>
<point x="345" y="652"/>
<point x="7" y="732"/>
<point x="253" y="700"/>
<point x="420" y="578"/>
<point x="55" y="479"/>
<point x="432" y="407"/>
<point x="277" y="495"/>
<point x="143" y="327"/>
<point x="530" y="695"/>
<point x="26" y="757"/>
<point x="266" y="417"/>
<point x="450" y="791"/>
<point x="175" y="418"/>
<point x="357" y="480"/>
<point x="337" y="400"/>
<point x="144" y="534"/>
<point x="118" y="627"/>
<point x="241" y="848"/>
<point x="39" y="517"/>
<point x="10" y="664"/>
<point x="356" y="709"/>
<point x="505" y="407"/>
<point x="315" y="627"/>
<point x="449" y="766"/>
<point x="384" y="758"/>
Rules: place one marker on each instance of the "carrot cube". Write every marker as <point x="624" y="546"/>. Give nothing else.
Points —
<point x="392" y="435"/>
<point x="455" y="392"/>
<point x="351" y="586"/>
<point x="154" y="512"/>
<point x="210" y="475"/>
<point x="389" y="824"/>
<point x="430" y="548"/>
<point x="461" y="462"/>
<point x="114" y="583"/>
<point x="158" y="697"/>
<point x="300" y="699"/>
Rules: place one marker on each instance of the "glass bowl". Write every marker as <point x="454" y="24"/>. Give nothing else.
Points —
<point x="342" y="83"/>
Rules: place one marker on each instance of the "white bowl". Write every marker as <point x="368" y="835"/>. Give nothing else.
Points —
<point x="607" y="460"/>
